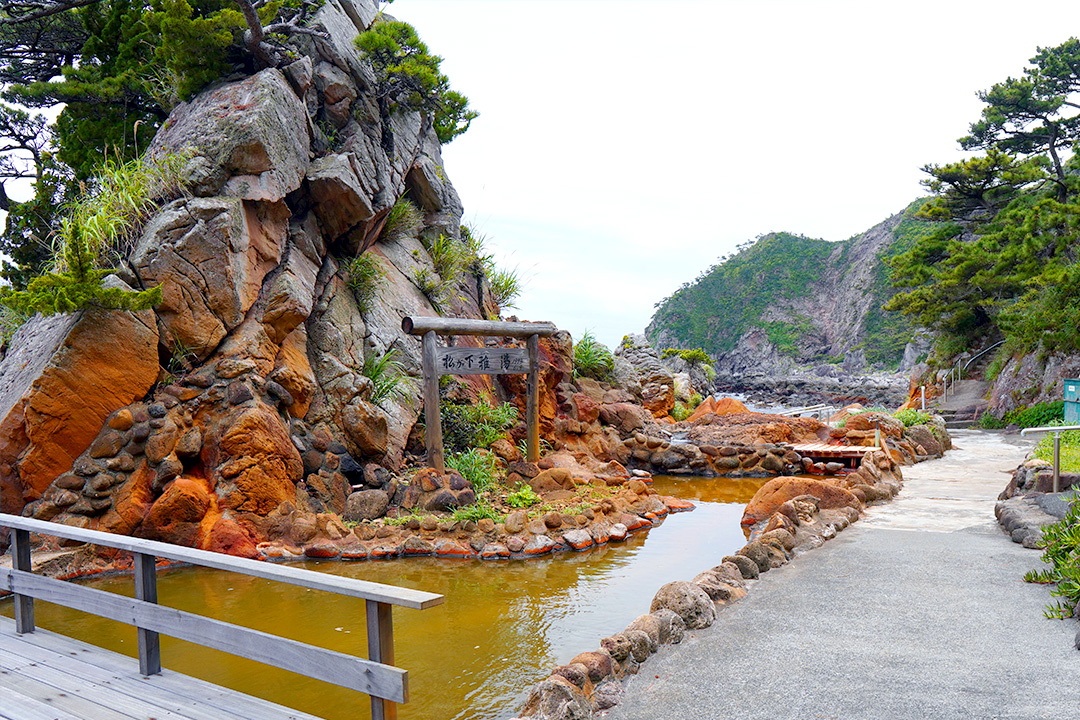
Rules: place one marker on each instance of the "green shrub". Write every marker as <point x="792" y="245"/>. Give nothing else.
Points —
<point x="387" y="375"/>
<point x="1061" y="550"/>
<point x="680" y="411"/>
<point x="365" y="280"/>
<point x="431" y="287"/>
<point x="911" y="416"/>
<point x="467" y="426"/>
<point x="523" y="497"/>
<point x="403" y="220"/>
<point x="1038" y="415"/>
<point x="592" y="359"/>
<point x="1070" y="450"/>
<point x="693" y="356"/>
<point x="408" y="74"/>
<point x="505" y="286"/>
<point x="476" y="512"/>
<point x="477" y="466"/>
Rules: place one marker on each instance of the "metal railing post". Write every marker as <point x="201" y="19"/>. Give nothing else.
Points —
<point x="922" y="398"/>
<point x="20" y="560"/>
<point x="146" y="590"/>
<point x="1057" y="462"/>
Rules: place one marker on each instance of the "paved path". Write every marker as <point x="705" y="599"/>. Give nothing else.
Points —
<point x="916" y="612"/>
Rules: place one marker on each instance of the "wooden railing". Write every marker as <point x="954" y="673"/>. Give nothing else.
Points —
<point x="375" y="675"/>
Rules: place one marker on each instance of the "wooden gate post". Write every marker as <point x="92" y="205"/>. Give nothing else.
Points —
<point x="532" y="401"/>
<point x="432" y="418"/>
<point x="477" y="361"/>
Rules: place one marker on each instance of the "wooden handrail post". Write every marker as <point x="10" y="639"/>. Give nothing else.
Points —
<point x="432" y="419"/>
<point x="146" y="589"/>
<point x="532" y="400"/>
<point x="380" y="638"/>
<point x="20" y="560"/>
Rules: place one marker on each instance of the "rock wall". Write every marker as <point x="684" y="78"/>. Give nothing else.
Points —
<point x="243" y="391"/>
<point x="1031" y="378"/>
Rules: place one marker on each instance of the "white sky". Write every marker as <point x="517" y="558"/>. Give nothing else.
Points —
<point x="623" y="146"/>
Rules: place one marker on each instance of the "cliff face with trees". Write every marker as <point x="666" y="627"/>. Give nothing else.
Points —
<point x="1003" y="264"/>
<point x="785" y="300"/>
<point x="229" y="340"/>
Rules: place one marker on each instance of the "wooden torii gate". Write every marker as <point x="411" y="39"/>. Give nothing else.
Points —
<point x="438" y="361"/>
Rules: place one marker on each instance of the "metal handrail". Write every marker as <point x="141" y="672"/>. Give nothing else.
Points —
<point x="1057" y="430"/>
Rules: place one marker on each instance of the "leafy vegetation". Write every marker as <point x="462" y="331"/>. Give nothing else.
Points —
<point x="476" y="465"/>
<point x="1069" y="450"/>
<point x="523" y="497"/>
<point x="475" y="425"/>
<point x="592" y="359"/>
<point x="1061" y="550"/>
<point x="365" y="279"/>
<point x="403" y="220"/>
<point x="476" y="512"/>
<point x="1004" y="260"/>
<point x="911" y="417"/>
<point x="1038" y="415"/>
<point x="408" y="75"/>
<point x="387" y="375"/>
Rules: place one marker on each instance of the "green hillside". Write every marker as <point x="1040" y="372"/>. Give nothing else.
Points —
<point x="776" y="276"/>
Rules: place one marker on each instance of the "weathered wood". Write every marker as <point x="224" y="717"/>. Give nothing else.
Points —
<point x="482" y="361"/>
<point x="380" y="634"/>
<point x="146" y="590"/>
<point x="20" y="560"/>
<point x="418" y="325"/>
<point x="532" y="401"/>
<point x="349" y="587"/>
<point x="191" y="697"/>
<point x="333" y="667"/>
<point x="432" y="418"/>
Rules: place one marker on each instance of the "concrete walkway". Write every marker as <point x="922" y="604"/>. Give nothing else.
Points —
<point x="917" y="611"/>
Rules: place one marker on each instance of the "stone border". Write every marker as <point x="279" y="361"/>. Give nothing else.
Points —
<point x="593" y="681"/>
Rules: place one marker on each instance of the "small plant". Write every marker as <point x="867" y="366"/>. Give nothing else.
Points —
<point x="694" y="356"/>
<point x="911" y="416"/>
<point x="477" y="466"/>
<point x="476" y="425"/>
<point x="523" y="497"/>
<point x="1038" y="415"/>
<point x="1069" y="449"/>
<point x="10" y="322"/>
<point x="476" y="512"/>
<point x="680" y="411"/>
<point x="1061" y="550"/>
<point x="477" y="262"/>
<point x="505" y="287"/>
<point x="448" y="255"/>
<point x="523" y="447"/>
<point x="181" y="360"/>
<point x="429" y="285"/>
<point x="365" y="279"/>
<point x="592" y="359"/>
<point x="403" y="220"/>
<point x="387" y="375"/>
<point x="403" y="519"/>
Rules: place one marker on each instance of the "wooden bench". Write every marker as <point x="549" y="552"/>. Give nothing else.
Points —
<point x="375" y="675"/>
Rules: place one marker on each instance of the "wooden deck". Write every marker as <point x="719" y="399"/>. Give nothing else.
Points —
<point x="45" y="676"/>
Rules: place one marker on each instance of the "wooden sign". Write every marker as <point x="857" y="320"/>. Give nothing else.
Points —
<point x="482" y="361"/>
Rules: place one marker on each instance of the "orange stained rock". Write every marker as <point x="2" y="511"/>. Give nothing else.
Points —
<point x="779" y="490"/>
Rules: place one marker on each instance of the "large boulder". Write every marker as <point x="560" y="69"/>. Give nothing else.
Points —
<point x="210" y="256"/>
<point x="687" y="600"/>
<point x="779" y="490"/>
<point x="62" y="378"/>
<point x="248" y="139"/>
<point x="656" y="381"/>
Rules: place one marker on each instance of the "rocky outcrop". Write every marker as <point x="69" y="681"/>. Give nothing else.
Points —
<point x="62" y="378"/>
<point x="648" y="376"/>
<point x="1031" y="378"/>
<point x="238" y="411"/>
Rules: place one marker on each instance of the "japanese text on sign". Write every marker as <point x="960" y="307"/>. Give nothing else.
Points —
<point x="482" y="361"/>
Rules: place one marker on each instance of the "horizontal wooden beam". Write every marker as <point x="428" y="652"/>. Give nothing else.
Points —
<point x="384" y="681"/>
<point x="418" y="325"/>
<point x="403" y="597"/>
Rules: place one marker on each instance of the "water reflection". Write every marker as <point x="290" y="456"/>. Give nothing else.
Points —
<point x="503" y="626"/>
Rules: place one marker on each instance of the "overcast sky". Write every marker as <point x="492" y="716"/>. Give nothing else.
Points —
<point x="623" y="146"/>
